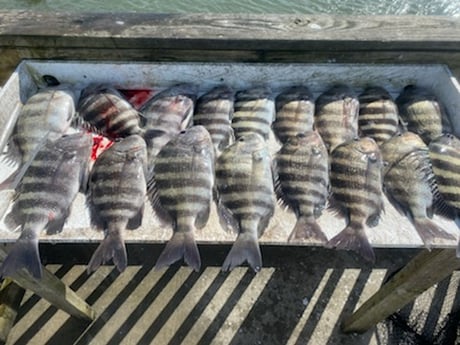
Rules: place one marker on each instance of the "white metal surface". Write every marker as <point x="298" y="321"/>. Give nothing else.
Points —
<point x="393" y="230"/>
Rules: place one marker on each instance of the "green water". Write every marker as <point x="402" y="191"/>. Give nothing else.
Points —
<point x="356" y="7"/>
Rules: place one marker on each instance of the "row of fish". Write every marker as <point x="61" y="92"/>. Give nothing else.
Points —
<point x="157" y="153"/>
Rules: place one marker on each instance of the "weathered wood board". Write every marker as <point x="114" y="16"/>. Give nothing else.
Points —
<point x="393" y="230"/>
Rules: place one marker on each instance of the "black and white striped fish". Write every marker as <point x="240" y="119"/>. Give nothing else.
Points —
<point x="166" y="114"/>
<point x="422" y="113"/>
<point x="246" y="199"/>
<point x="254" y="112"/>
<point x="408" y="182"/>
<point x="182" y="192"/>
<point x="46" y="115"/>
<point x="378" y="114"/>
<point x="302" y="184"/>
<point x="295" y="108"/>
<point x="104" y="110"/>
<point x="356" y="182"/>
<point x="45" y="196"/>
<point x="116" y="195"/>
<point x="336" y="116"/>
<point x="214" y="111"/>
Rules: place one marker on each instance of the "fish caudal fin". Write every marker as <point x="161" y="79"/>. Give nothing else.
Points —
<point x="245" y="248"/>
<point x="113" y="248"/>
<point x="181" y="245"/>
<point x="429" y="232"/>
<point x="24" y="254"/>
<point x="307" y="228"/>
<point x="353" y="239"/>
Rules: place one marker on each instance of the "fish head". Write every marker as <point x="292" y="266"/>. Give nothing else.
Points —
<point x="132" y="146"/>
<point x="445" y="142"/>
<point x="249" y="143"/>
<point x="77" y="144"/>
<point x="367" y="149"/>
<point x="374" y="93"/>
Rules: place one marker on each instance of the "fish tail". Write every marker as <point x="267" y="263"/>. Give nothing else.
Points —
<point x="245" y="248"/>
<point x="24" y="254"/>
<point x="429" y="231"/>
<point x="181" y="245"/>
<point x="113" y="248"/>
<point x="353" y="238"/>
<point x="307" y="228"/>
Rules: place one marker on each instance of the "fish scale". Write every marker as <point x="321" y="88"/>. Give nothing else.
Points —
<point x="302" y="182"/>
<point x="336" y="116"/>
<point x="254" y="112"/>
<point x="406" y="155"/>
<point x="356" y="186"/>
<point x="45" y="196"/>
<point x="182" y="192"/>
<point x="214" y="111"/>
<point x="245" y="197"/>
<point x="116" y="193"/>
<point x="295" y="109"/>
<point x="378" y="114"/>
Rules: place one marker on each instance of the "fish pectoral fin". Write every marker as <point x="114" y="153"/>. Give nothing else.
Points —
<point x="203" y="216"/>
<point x="136" y="221"/>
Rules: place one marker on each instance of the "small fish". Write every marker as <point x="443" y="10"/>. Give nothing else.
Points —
<point x="104" y="110"/>
<point x="421" y="112"/>
<point x="336" y="116"/>
<point x="166" y="114"/>
<point x="378" y="114"/>
<point x="116" y="195"/>
<point x="356" y="193"/>
<point x="47" y="115"/>
<point x="254" y="112"/>
<point x="303" y="182"/>
<point x="214" y="111"/>
<point x="295" y="108"/>
<point x="408" y="182"/>
<point x="182" y="193"/>
<point x="246" y="199"/>
<point x="44" y="198"/>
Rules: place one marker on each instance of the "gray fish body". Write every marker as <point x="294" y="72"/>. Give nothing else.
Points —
<point x="46" y="116"/>
<point x="378" y="115"/>
<point x="444" y="153"/>
<point x="116" y="195"/>
<point x="45" y="196"/>
<point x="303" y="182"/>
<point x="166" y="114"/>
<point x="356" y="183"/>
<point x="184" y="180"/>
<point x="421" y="112"/>
<point x="295" y="108"/>
<point x="408" y="182"/>
<point x="246" y="196"/>
<point x="214" y="111"/>
<point x="336" y="116"/>
<point x="254" y="112"/>
<point x="104" y="110"/>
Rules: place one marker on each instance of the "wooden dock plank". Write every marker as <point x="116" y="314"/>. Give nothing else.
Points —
<point x="422" y="272"/>
<point x="11" y="295"/>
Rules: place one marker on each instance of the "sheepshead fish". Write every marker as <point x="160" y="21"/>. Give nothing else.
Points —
<point x="116" y="195"/>
<point x="214" y="111"/>
<point x="166" y="114"/>
<point x="421" y="112"/>
<point x="356" y="182"/>
<point x="302" y="182"/>
<point x="408" y="182"/>
<point x="336" y="116"/>
<point x="182" y="192"/>
<point x="46" y="115"/>
<point x="254" y="112"/>
<point x="295" y="108"/>
<point x="45" y="196"/>
<point x="378" y="114"/>
<point x="246" y="199"/>
<point x="104" y="110"/>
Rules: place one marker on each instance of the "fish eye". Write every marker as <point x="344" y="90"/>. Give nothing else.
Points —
<point x="372" y="157"/>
